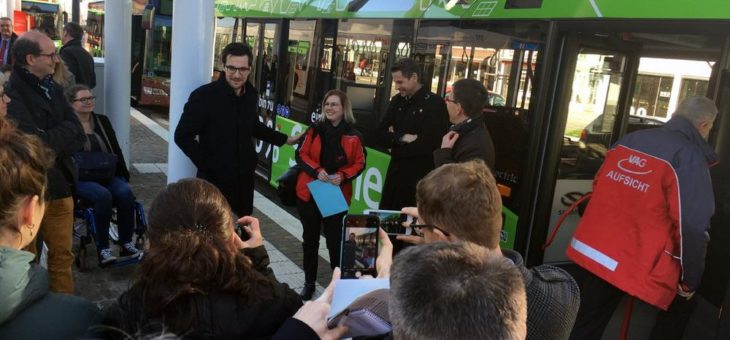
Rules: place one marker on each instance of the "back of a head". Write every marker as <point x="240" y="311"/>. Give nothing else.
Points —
<point x="24" y="161"/>
<point x="697" y="109"/>
<point x="456" y="291"/>
<point x="462" y="199"/>
<point x="191" y="251"/>
<point x="74" y="30"/>
<point x="471" y="95"/>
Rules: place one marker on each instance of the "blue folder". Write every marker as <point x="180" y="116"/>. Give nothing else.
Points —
<point x="328" y="197"/>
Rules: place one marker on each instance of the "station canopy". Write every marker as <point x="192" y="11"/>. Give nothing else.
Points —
<point x="475" y="9"/>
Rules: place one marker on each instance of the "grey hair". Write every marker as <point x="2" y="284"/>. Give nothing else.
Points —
<point x="697" y="109"/>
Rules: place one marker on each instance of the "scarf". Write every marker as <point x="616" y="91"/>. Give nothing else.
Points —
<point x="332" y="156"/>
<point x="42" y="86"/>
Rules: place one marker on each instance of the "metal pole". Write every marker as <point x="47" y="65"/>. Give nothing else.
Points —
<point x="192" y="65"/>
<point x="117" y="66"/>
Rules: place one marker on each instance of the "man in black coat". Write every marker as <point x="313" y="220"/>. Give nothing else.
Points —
<point x="412" y="129"/>
<point x="40" y="108"/>
<point x="468" y="138"/>
<point x="7" y="38"/>
<point x="217" y="126"/>
<point x="77" y="59"/>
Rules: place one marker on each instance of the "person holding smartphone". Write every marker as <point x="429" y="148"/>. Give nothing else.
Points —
<point x="332" y="151"/>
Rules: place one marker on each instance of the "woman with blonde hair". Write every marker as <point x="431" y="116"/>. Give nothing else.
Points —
<point x="332" y="151"/>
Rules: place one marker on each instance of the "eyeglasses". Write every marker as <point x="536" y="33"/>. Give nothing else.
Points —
<point x="49" y="55"/>
<point x="232" y="69"/>
<point x="446" y="99"/>
<point x="419" y="228"/>
<point x="85" y="100"/>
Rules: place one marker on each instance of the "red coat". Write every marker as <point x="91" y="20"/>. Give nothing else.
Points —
<point x="308" y="157"/>
<point x="645" y="229"/>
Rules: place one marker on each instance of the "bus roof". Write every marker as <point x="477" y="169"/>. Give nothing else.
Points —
<point x="475" y="9"/>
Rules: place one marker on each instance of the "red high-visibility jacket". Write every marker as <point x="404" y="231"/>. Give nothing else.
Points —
<point x="645" y="228"/>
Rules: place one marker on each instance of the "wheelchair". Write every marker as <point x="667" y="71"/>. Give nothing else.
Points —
<point x="84" y="230"/>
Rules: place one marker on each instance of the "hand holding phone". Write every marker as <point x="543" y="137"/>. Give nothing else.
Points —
<point x="250" y="227"/>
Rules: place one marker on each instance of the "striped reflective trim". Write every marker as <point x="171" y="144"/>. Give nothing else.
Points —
<point x="594" y="254"/>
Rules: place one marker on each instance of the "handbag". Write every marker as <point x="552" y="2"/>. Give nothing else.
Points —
<point x="287" y="189"/>
<point x="95" y="166"/>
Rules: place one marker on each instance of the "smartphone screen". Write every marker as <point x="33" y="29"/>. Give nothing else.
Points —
<point x="392" y="221"/>
<point x="359" y="246"/>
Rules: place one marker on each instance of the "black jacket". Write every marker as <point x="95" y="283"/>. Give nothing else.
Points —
<point x="54" y="122"/>
<point x="217" y="315"/>
<point x="553" y="298"/>
<point x="224" y="152"/>
<point x="13" y="38"/>
<point x="102" y="123"/>
<point x="474" y="143"/>
<point x="79" y="62"/>
<point x="423" y="114"/>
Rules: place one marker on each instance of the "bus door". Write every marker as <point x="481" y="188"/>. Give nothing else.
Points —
<point x="265" y="37"/>
<point x="594" y="106"/>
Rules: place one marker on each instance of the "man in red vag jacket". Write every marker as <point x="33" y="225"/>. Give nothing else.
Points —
<point x="644" y="232"/>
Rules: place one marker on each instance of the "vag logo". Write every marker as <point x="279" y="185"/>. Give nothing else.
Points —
<point x="634" y="164"/>
<point x="636" y="160"/>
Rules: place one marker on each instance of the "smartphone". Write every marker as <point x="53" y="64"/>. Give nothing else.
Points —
<point x="359" y="246"/>
<point x="392" y="221"/>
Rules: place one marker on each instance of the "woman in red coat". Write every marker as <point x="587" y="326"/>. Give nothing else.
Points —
<point x="332" y="151"/>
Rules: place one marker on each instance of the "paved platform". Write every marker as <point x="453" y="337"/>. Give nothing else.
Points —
<point x="280" y="226"/>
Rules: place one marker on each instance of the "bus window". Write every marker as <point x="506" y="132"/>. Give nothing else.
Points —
<point x="592" y="113"/>
<point x="663" y="83"/>
<point x="360" y="64"/>
<point x="224" y="32"/>
<point x="301" y="37"/>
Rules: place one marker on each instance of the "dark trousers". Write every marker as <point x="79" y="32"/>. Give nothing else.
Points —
<point x="599" y="300"/>
<point x="312" y="223"/>
<point x="117" y="193"/>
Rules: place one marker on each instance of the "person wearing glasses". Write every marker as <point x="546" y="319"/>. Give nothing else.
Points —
<point x="104" y="193"/>
<point x="39" y="107"/>
<point x="468" y="137"/>
<point x="217" y="126"/>
<point x="460" y="202"/>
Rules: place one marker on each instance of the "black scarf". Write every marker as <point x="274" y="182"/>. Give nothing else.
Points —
<point x="42" y="86"/>
<point x="332" y="157"/>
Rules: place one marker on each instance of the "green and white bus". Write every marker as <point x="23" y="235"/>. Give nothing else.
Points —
<point x="566" y="79"/>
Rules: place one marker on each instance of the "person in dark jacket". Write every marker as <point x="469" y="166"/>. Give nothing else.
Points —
<point x="77" y="59"/>
<point x="332" y="151"/>
<point x="27" y="309"/>
<point x="7" y="38"/>
<point x="107" y="193"/>
<point x="40" y="108"/>
<point x="198" y="279"/>
<point x="469" y="137"/>
<point x="217" y="126"/>
<point x="412" y="129"/>
<point x="655" y="186"/>
<point x="469" y="190"/>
